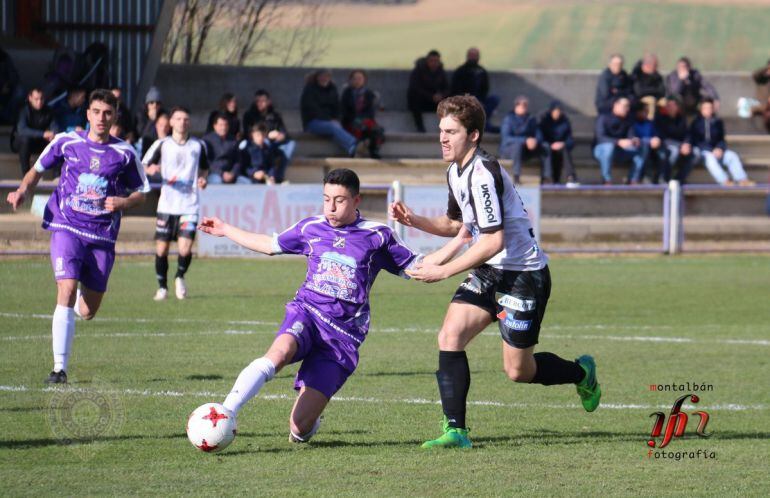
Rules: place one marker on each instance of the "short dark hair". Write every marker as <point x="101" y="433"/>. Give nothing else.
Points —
<point x="467" y="110"/>
<point x="707" y="100"/>
<point x="434" y="53"/>
<point x="260" y="127"/>
<point x="178" y="108"/>
<point x="103" y="95"/>
<point x="220" y="115"/>
<point x="345" y="177"/>
<point x="35" y="89"/>
<point x="262" y="93"/>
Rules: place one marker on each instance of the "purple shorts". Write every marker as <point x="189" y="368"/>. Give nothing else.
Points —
<point x="75" y="258"/>
<point x="327" y="357"/>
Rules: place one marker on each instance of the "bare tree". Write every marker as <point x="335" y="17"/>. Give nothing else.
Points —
<point x="308" y="41"/>
<point x="255" y="17"/>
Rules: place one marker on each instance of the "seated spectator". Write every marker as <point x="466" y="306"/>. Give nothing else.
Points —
<point x="471" y="78"/>
<point x="690" y="86"/>
<point x="613" y="83"/>
<point x="262" y="112"/>
<point x="11" y="92"/>
<point x="34" y="129"/>
<point x="520" y="138"/>
<point x="556" y="133"/>
<point x="228" y="107"/>
<point x="762" y="75"/>
<point x="70" y="113"/>
<point x="616" y="143"/>
<point x="256" y="158"/>
<point x="650" y="145"/>
<point x="359" y="105"/>
<point x="763" y="111"/>
<point x="222" y="154"/>
<point x="707" y="134"/>
<point x="648" y="84"/>
<point x="320" y="108"/>
<point x="125" y="120"/>
<point x="673" y="130"/>
<point x="145" y="120"/>
<point x="428" y="85"/>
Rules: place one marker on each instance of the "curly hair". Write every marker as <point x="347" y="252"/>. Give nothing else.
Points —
<point x="467" y="110"/>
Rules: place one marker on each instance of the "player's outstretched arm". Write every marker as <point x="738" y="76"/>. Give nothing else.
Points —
<point x="115" y="203"/>
<point x="487" y="246"/>
<point x="442" y="225"/>
<point x="450" y="249"/>
<point x="28" y="184"/>
<point x="255" y="241"/>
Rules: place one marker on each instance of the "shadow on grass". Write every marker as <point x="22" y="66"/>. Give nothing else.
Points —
<point x="23" y="444"/>
<point x="204" y="377"/>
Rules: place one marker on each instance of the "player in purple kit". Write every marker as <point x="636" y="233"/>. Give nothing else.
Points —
<point x="100" y="177"/>
<point x="328" y="318"/>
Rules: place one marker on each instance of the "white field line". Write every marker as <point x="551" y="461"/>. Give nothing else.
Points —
<point x="733" y="407"/>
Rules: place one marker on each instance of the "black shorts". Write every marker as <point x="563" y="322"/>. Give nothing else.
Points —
<point x="169" y="227"/>
<point x="516" y="298"/>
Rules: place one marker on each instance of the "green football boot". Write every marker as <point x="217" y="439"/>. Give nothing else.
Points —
<point x="452" y="438"/>
<point x="588" y="389"/>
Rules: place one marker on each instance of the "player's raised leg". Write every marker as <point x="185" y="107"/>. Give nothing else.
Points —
<point x="305" y="418"/>
<point x="259" y="371"/>
<point x="184" y="245"/>
<point x="462" y="323"/>
<point x="161" y="268"/>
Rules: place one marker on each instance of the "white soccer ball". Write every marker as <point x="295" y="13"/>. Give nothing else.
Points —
<point x="211" y="427"/>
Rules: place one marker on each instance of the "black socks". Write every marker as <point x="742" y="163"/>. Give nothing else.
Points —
<point x="454" y="380"/>
<point x="552" y="370"/>
<point x="161" y="271"/>
<point x="183" y="264"/>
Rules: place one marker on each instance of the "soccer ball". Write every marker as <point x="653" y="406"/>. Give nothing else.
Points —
<point x="211" y="427"/>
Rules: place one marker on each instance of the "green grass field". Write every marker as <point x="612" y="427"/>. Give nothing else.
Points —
<point x="558" y="34"/>
<point x="647" y="321"/>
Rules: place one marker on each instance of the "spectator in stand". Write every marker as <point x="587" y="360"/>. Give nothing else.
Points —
<point x="228" y="107"/>
<point x="359" y="105"/>
<point x="281" y="144"/>
<point x="162" y="125"/>
<point x="471" y="78"/>
<point x="648" y="83"/>
<point x="320" y="108"/>
<point x="556" y="133"/>
<point x="613" y="83"/>
<point x="673" y="130"/>
<point x="70" y="113"/>
<point x="520" y="138"/>
<point x="256" y="158"/>
<point x="690" y="86"/>
<point x="615" y="142"/>
<point x="11" y="92"/>
<point x="650" y="145"/>
<point x="125" y="120"/>
<point x="34" y="129"/>
<point x="428" y="85"/>
<point x="223" y="155"/>
<point x="145" y="121"/>
<point x="762" y="76"/>
<point x="763" y="110"/>
<point x="707" y="134"/>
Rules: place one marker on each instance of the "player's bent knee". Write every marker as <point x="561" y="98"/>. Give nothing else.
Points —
<point x="518" y="374"/>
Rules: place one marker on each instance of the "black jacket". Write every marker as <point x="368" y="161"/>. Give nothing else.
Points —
<point x="610" y="87"/>
<point x="471" y="78"/>
<point x="672" y="128"/>
<point x="318" y="102"/>
<point x="424" y="83"/>
<point x="708" y="134"/>
<point x="271" y="119"/>
<point x="359" y="105"/>
<point x="223" y="154"/>
<point x="611" y="128"/>
<point x="647" y="84"/>
<point x="556" y="131"/>
<point x="34" y="123"/>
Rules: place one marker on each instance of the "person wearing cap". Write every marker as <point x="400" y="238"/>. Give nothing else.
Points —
<point x="145" y="120"/>
<point x="556" y="132"/>
<point x="520" y="138"/>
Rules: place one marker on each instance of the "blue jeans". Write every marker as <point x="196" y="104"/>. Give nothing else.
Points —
<point x="729" y="159"/>
<point x="216" y="179"/>
<point x="608" y="153"/>
<point x="334" y="130"/>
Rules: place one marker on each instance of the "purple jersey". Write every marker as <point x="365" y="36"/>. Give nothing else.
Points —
<point x="90" y="172"/>
<point x="342" y="265"/>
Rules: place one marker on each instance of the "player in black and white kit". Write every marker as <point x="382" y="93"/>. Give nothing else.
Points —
<point x="181" y="160"/>
<point x="509" y="282"/>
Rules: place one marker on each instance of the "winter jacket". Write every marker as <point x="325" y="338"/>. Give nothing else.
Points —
<point x="424" y="83"/>
<point x="610" y="87"/>
<point x="672" y="128"/>
<point x="33" y="123"/>
<point x="320" y="103"/>
<point x="708" y="134"/>
<point x="271" y="119"/>
<point x="471" y="78"/>
<point x="647" y="84"/>
<point x="611" y="128"/>
<point x="556" y="131"/>
<point x="357" y="104"/>
<point x="516" y="127"/>
<point x="222" y="154"/>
